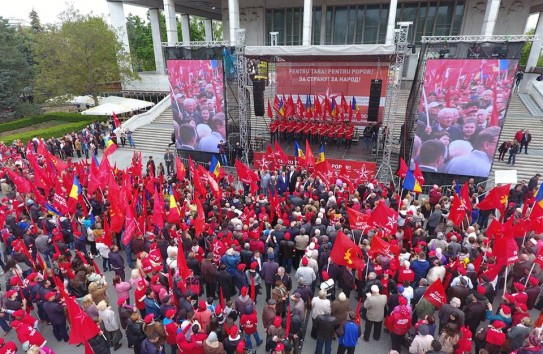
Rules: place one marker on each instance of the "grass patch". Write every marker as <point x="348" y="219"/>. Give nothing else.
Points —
<point x="64" y="117"/>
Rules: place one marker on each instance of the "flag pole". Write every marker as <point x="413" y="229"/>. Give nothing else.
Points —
<point x="505" y="279"/>
<point x="529" y="274"/>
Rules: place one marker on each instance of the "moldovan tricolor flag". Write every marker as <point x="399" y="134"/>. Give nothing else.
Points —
<point x="111" y="147"/>
<point x="346" y="252"/>
<point x="435" y="294"/>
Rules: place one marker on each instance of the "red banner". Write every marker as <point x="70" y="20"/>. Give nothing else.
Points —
<point x="332" y="80"/>
<point x="356" y="169"/>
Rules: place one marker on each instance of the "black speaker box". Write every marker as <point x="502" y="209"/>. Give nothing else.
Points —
<point x="375" y="98"/>
<point x="258" y="97"/>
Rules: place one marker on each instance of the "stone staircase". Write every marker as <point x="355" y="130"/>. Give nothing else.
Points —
<point x="518" y="117"/>
<point x="156" y="136"/>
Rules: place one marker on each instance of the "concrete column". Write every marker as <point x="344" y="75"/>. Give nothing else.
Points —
<point x="154" y="17"/>
<point x="208" y="26"/>
<point x="308" y="22"/>
<point x="536" y="45"/>
<point x="233" y="20"/>
<point x="391" y="24"/>
<point x="118" y="21"/>
<point x="171" y="23"/>
<point x="185" y="28"/>
<point x="491" y="16"/>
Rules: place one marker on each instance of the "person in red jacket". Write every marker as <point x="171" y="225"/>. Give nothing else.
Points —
<point x="139" y="294"/>
<point x="249" y="322"/>
<point x="25" y="318"/>
<point x="171" y="328"/>
<point x="203" y="315"/>
<point x="495" y="337"/>
<point x="7" y="347"/>
<point x="28" y="333"/>
<point x="198" y="337"/>
<point x="183" y="344"/>
<point x="399" y="323"/>
<point x="405" y="273"/>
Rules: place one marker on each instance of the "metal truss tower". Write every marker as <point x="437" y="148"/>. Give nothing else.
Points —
<point x="242" y="77"/>
<point x="384" y="173"/>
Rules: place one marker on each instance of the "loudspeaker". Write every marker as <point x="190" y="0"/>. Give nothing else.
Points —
<point x="375" y="98"/>
<point x="258" y="97"/>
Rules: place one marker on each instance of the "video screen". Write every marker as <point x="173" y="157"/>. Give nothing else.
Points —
<point x="461" y="113"/>
<point x="198" y="104"/>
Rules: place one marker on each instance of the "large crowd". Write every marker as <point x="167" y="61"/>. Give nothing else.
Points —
<point x="196" y="263"/>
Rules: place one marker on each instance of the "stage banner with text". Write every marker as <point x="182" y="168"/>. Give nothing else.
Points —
<point x="332" y="80"/>
<point x="358" y="170"/>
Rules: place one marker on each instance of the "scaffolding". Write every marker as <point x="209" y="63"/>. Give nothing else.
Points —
<point x="384" y="173"/>
<point x="242" y="77"/>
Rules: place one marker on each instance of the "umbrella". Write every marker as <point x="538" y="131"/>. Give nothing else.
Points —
<point x="130" y="103"/>
<point x="106" y="109"/>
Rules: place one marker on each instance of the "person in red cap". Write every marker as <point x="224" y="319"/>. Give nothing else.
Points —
<point x="491" y="338"/>
<point x="171" y="328"/>
<point x="7" y="347"/>
<point x="532" y="291"/>
<point x="240" y="279"/>
<point x="28" y="333"/>
<point x="24" y="317"/>
<point x="249" y="323"/>
<point x="152" y="328"/>
<point x="234" y="338"/>
<point x="243" y="301"/>
<point x="399" y="323"/>
<point x="504" y="314"/>
<point x="254" y="280"/>
<point x="203" y="315"/>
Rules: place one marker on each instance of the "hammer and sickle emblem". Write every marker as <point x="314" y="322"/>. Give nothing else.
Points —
<point x="347" y="256"/>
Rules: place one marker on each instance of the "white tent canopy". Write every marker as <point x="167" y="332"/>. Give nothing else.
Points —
<point x="117" y="105"/>
<point x="106" y="109"/>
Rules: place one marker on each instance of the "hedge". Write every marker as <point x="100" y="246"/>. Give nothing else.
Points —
<point x="55" y="131"/>
<point x="58" y="116"/>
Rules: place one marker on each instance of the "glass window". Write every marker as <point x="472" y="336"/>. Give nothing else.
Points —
<point x="444" y="19"/>
<point x="430" y="20"/>
<point x="359" y="24"/>
<point x="458" y="15"/>
<point x="317" y="20"/>
<point x="269" y="26"/>
<point x="297" y="24"/>
<point x="329" y="25"/>
<point x="421" y="21"/>
<point x="371" y="24"/>
<point x="383" y="22"/>
<point x="340" y="25"/>
<point x="279" y="26"/>
<point x="351" y="25"/>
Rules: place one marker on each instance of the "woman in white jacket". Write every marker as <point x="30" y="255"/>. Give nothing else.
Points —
<point x="110" y="325"/>
<point x="422" y="341"/>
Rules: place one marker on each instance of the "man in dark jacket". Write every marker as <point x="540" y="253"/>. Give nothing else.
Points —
<point x="324" y="330"/>
<point x="269" y="269"/>
<point x="116" y="261"/>
<point x="55" y="312"/>
<point x="209" y="276"/>
<point x="286" y="252"/>
<point x="474" y="313"/>
<point x="226" y="283"/>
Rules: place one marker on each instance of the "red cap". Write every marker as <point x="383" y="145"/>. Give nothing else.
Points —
<point x="498" y="324"/>
<point x="287" y="236"/>
<point x="202" y="305"/>
<point x="233" y="331"/>
<point x="325" y="275"/>
<point x="19" y="314"/>
<point x="277" y="321"/>
<point x="50" y="294"/>
<point x="54" y="231"/>
<point x="240" y="347"/>
<point x="521" y="307"/>
<point x="389" y="272"/>
<point x="32" y="276"/>
<point x="462" y="270"/>
<point x="15" y="281"/>
<point x="121" y="301"/>
<point x="241" y="267"/>
<point x="481" y="289"/>
<point x="305" y="261"/>
<point x="506" y="310"/>
<point x="244" y="291"/>
<point x="155" y="278"/>
<point x="170" y="313"/>
<point x="279" y="347"/>
<point x="403" y="300"/>
<point x="519" y="286"/>
<point x="15" y="324"/>
<point x="10" y="293"/>
<point x="533" y="281"/>
<point x="218" y="310"/>
<point x="148" y="319"/>
<point x="254" y="265"/>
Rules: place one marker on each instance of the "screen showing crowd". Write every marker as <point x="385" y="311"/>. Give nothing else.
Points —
<point x="197" y="93"/>
<point x="461" y="112"/>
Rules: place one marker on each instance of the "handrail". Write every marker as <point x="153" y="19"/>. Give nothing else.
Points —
<point x="148" y="117"/>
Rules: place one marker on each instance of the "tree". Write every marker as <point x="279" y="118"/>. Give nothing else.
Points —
<point x="35" y="23"/>
<point x="78" y="56"/>
<point x="526" y="51"/>
<point x="141" y="43"/>
<point x="217" y="31"/>
<point x="15" y="71"/>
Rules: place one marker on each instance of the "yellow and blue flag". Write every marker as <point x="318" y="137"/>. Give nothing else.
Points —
<point x="298" y="151"/>
<point x="52" y="210"/>
<point x="281" y="109"/>
<point x="321" y="154"/>
<point x="96" y="162"/>
<point x="410" y="183"/>
<point x="215" y="166"/>
<point x="75" y="192"/>
<point x="539" y="196"/>
<point x="333" y="108"/>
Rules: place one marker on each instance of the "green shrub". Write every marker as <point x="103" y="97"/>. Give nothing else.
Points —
<point x="58" y="116"/>
<point x="55" y="131"/>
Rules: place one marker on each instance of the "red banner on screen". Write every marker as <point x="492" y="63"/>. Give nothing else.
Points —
<point x="357" y="170"/>
<point x="332" y="79"/>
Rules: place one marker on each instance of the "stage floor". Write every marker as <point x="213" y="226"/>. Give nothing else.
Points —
<point x="332" y="150"/>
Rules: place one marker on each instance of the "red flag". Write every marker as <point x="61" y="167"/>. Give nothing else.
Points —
<point x="158" y="209"/>
<point x="300" y="108"/>
<point x="464" y="194"/>
<point x="457" y="214"/>
<point x="180" y="169"/>
<point x="270" y="113"/>
<point x="418" y="174"/>
<point x="247" y="176"/>
<point x="268" y="159"/>
<point x="22" y="184"/>
<point x="287" y="324"/>
<point x="494" y="117"/>
<point x="276" y="103"/>
<point x="402" y="169"/>
<point x="108" y="239"/>
<point x="539" y="257"/>
<point x="182" y="267"/>
<point x="82" y="326"/>
<point x="385" y="218"/>
<point x="506" y="251"/>
<point x="309" y="158"/>
<point x="289" y="107"/>
<point x="196" y="179"/>
<point x="318" y="107"/>
<point x="380" y="246"/>
<point x="130" y="228"/>
<point x="116" y="120"/>
<point x="346" y="252"/>
<point x="199" y="221"/>
<point x="435" y="294"/>
<point x="496" y="198"/>
<point x="536" y="218"/>
<point x="96" y="268"/>
<point x="325" y="172"/>
<point x="280" y="156"/>
<point x="88" y="348"/>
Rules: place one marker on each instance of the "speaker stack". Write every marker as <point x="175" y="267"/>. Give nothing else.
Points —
<point x="375" y="99"/>
<point x="258" y="97"/>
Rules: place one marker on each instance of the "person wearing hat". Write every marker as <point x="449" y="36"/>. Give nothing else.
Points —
<point x="111" y="326"/>
<point x="306" y="272"/>
<point x="253" y="280"/>
<point x="203" y="315"/>
<point x="231" y="342"/>
<point x="152" y="327"/>
<point x="422" y="342"/>
<point x="348" y="333"/>
<point x="328" y="285"/>
<point x="23" y="317"/>
<point x="55" y="312"/>
<point x="212" y="344"/>
<point x="297" y="305"/>
<point x="243" y="301"/>
<point x="491" y="337"/>
<point x="532" y="291"/>
<point x="7" y="347"/>
<point x="171" y="328"/>
<point x="124" y="312"/>
<point x="504" y="314"/>
<point x="249" y="323"/>
<point x="240" y="279"/>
